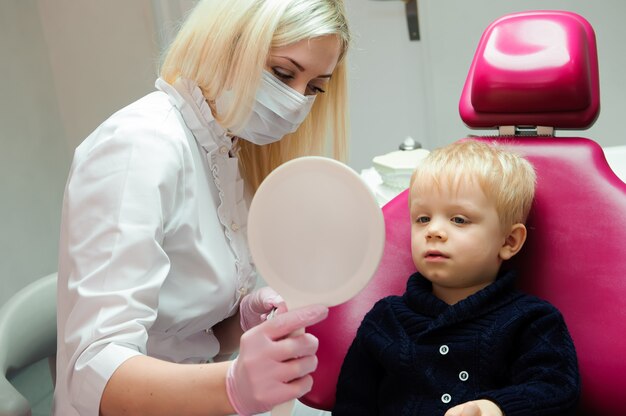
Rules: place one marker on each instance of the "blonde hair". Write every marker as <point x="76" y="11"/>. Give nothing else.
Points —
<point x="505" y="177"/>
<point x="224" y="44"/>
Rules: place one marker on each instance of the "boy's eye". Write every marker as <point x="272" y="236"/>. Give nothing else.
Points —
<point x="459" y="220"/>
<point x="422" y="220"/>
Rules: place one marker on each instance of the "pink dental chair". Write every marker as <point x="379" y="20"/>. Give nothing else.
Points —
<point x="533" y="72"/>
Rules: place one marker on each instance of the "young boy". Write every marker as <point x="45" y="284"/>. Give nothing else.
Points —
<point x="462" y="341"/>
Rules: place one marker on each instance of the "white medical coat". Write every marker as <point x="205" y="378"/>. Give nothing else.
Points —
<point x="153" y="249"/>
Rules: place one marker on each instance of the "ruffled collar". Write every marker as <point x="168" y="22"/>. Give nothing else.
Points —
<point x="223" y="171"/>
<point x="185" y="95"/>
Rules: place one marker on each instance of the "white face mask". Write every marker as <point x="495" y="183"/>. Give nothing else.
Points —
<point x="278" y="110"/>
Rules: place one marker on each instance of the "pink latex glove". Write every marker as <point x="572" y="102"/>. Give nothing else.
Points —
<point x="273" y="367"/>
<point x="255" y="306"/>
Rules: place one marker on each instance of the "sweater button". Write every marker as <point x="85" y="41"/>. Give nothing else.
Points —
<point x="446" y="398"/>
<point x="443" y="350"/>
<point x="463" y="375"/>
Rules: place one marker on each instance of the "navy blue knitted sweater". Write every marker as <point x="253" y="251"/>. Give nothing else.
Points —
<point x="416" y="355"/>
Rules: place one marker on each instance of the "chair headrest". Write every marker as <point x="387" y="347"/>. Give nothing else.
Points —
<point x="537" y="68"/>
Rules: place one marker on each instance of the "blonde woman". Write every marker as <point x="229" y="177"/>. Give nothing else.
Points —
<point x="155" y="276"/>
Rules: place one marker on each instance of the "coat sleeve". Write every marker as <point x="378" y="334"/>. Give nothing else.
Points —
<point x="544" y="370"/>
<point x="362" y="371"/>
<point x="123" y="184"/>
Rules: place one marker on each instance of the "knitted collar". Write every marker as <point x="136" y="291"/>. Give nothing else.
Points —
<point x="419" y="298"/>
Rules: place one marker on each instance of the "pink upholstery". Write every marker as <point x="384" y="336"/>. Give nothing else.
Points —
<point x="575" y="255"/>
<point x="535" y="69"/>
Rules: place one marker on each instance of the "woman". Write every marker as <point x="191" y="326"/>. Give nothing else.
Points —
<point x="154" y="269"/>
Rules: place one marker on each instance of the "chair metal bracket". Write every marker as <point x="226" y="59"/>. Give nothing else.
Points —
<point x="546" y="131"/>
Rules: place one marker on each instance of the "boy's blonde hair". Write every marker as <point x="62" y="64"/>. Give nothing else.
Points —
<point x="505" y="177"/>
<point x="224" y="44"/>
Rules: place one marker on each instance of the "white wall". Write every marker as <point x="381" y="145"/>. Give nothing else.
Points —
<point x="102" y="55"/>
<point x="68" y="64"/>
<point x="33" y="153"/>
<point x="387" y="77"/>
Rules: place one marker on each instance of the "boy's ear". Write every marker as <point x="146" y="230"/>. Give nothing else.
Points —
<point x="513" y="241"/>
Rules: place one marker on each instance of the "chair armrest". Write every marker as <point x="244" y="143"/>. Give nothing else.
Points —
<point x="27" y="334"/>
<point x="12" y="403"/>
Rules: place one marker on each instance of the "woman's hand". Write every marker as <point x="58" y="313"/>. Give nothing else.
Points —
<point x="475" y="408"/>
<point x="274" y="364"/>
<point x="255" y="307"/>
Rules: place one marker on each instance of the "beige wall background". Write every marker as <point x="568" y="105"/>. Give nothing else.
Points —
<point x="66" y="65"/>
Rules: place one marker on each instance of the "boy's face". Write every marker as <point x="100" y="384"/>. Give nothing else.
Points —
<point x="456" y="239"/>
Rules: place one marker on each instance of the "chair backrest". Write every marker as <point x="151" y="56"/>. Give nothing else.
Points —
<point x="539" y="70"/>
<point x="28" y="331"/>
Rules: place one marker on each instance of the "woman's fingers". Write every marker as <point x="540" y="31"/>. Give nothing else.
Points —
<point x="286" y="323"/>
